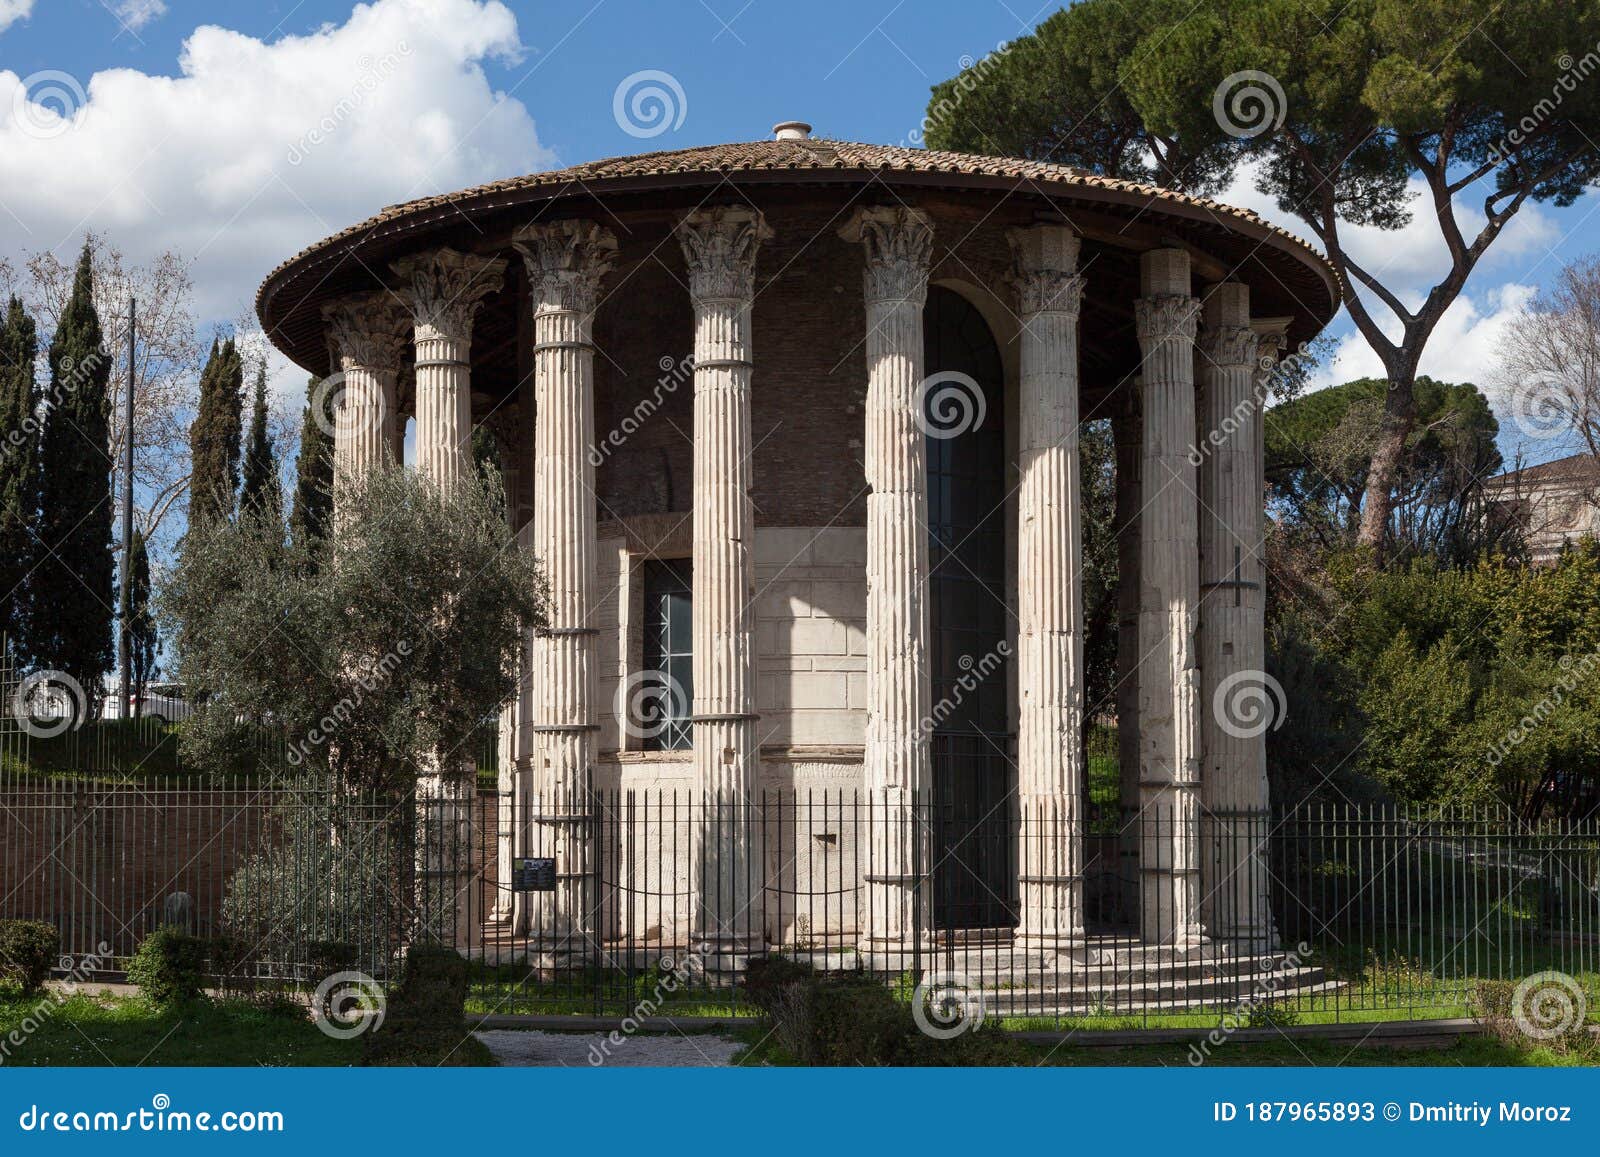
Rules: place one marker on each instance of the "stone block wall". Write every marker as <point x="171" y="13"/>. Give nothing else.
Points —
<point x="811" y="677"/>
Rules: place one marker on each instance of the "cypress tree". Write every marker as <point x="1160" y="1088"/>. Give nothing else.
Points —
<point x="205" y="460"/>
<point x="214" y="436"/>
<point x="141" y="622"/>
<point x="72" y="592"/>
<point x="19" y="469"/>
<point x="313" y="491"/>
<point x="260" y="492"/>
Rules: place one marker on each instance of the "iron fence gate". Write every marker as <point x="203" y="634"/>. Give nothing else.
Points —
<point x="661" y="897"/>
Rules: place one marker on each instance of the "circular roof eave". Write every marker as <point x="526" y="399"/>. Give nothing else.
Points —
<point x="1056" y="183"/>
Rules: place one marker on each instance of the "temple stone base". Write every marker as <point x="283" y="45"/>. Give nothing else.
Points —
<point x="1108" y="974"/>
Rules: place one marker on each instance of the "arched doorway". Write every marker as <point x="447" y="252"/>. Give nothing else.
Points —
<point x="973" y="770"/>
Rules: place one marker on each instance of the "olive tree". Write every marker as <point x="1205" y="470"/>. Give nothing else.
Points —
<point x="376" y="660"/>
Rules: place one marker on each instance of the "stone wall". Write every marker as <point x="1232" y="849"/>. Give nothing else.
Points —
<point x="811" y="677"/>
<point x="810" y="605"/>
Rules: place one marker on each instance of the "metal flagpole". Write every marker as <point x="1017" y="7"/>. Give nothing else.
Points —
<point x="125" y="634"/>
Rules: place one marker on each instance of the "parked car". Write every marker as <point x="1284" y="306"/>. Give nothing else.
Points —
<point x="163" y="702"/>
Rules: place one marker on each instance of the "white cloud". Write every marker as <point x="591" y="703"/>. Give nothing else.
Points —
<point x="135" y="14"/>
<point x="255" y="150"/>
<point x="13" y="10"/>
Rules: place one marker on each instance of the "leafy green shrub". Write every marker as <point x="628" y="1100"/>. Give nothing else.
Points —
<point x="1494" y="1004"/>
<point x="169" y="967"/>
<point x="768" y="980"/>
<point x="853" y="1018"/>
<point x="27" y="951"/>
<point x="858" y="1022"/>
<point x="433" y="987"/>
<point x="1479" y="684"/>
<point x="325" y="894"/>
<point x="426" y="1012"/>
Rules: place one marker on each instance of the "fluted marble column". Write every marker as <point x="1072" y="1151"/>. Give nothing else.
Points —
<point x="1050" y="777"/>
<point x="1169" y="590"/>
<point x="565" y="261"/>
<point x="366" y="335"/>
<point x="507" y="737"/>
<point x="1128" y="441"/>
<point x="719" y="248"/>
<point x="898" y="244"/>
<point x="1233" y="720"/>
<point x="444" y="289"/>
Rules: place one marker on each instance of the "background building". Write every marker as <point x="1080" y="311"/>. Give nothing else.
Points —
<point x="1555" y="503"/>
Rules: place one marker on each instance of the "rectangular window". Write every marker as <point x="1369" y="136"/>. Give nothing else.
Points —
<point x="666" y="687"/>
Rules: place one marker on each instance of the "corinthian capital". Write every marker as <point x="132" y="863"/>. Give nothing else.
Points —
<point x="899" y="244"/>
<point x="1231" y="346"/>
<point x="1165" y="316"/>
<point x="1042" y="290"/>
<point x="566" y="261"/>
<point x="444" y="289"/>
<point x="367" y="329"/>
<point x="719" y="246"/>
<point x="1044" y="263"/>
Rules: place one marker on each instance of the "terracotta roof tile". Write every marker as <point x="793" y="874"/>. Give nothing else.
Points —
<point x="788" y="155"/>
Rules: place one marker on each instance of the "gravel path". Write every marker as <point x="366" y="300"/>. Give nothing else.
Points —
<point x="593" y="1050"/>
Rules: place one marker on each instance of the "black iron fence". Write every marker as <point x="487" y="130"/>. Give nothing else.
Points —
<point x="617" y="900"/>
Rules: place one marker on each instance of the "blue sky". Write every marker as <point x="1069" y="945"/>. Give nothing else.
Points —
<point x="181" y="136"/>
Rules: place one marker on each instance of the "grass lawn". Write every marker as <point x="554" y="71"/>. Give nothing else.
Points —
<point x="111" y="1030"/>
<point x="123" y="1031"/>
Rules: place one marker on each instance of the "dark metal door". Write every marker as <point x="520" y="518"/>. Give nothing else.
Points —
<point x="974" y="862"/>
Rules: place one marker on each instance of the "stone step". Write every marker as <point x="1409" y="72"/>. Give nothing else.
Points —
<point x="1171" y="995"/>
<point x="1124" y="1004"/>
<point x="1020" y="968"/>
